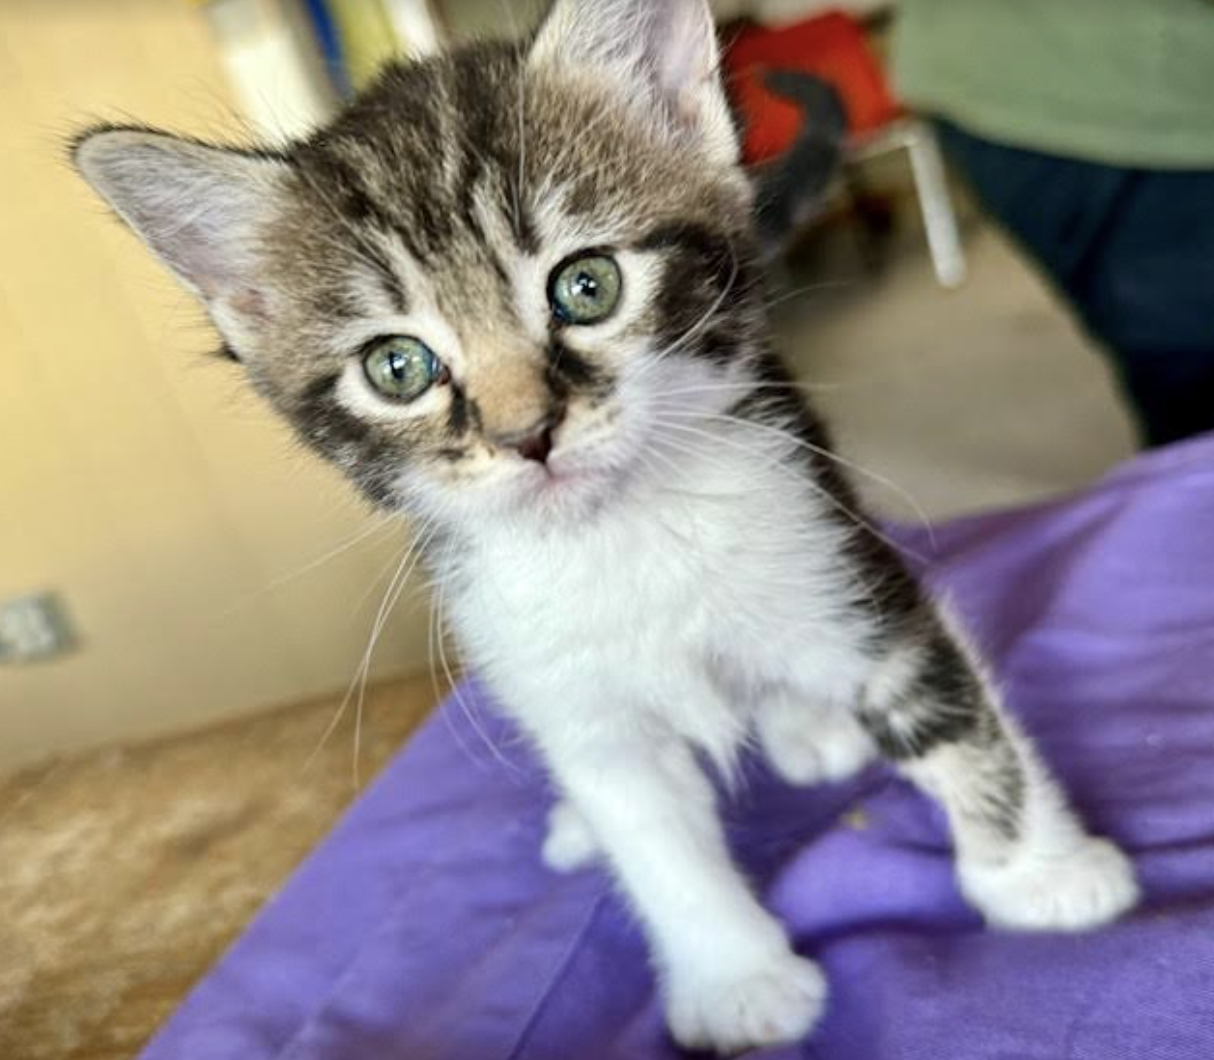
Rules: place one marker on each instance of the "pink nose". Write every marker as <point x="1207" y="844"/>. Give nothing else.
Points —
<point x="534" y="442"/>
<point x="536" y="446"/>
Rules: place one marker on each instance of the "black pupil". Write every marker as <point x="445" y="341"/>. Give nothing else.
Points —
<point x="396" y="365"/>
<point x="586" y="286"/>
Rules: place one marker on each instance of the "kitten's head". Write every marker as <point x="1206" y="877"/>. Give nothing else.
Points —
<point x="486" y="286"/>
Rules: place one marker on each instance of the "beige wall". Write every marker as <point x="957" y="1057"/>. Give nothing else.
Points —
<point x="136" y="476"/>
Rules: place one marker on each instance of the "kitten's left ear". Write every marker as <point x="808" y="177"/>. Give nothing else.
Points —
<point x="201" y="209"/>
<point x="662" y="52"/>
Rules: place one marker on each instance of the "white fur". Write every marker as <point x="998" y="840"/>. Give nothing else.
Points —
<point x="704" y="602"/>
<point x="570" y="844"/>
<point x="1076" y="888"/>
<point x="778" y="1001"/>
<point x="626" y="638"/>
<point x="810" y="743"/>
<point x="1056" y="877"/>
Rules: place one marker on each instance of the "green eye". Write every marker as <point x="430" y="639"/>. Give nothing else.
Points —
<point x="585" y="290"/>
<point x="402" y="368"/>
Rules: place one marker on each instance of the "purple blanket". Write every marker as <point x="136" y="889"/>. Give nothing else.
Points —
<point x="426" y="928"/>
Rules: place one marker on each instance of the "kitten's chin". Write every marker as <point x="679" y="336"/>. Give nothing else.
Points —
<point x="561" y="484"/>
<point x="568" y="486"/>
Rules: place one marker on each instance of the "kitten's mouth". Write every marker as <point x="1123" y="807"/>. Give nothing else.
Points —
<point x="571" y="473"/>
<point x="555" y="475"/>
<point x="561" y="476"/>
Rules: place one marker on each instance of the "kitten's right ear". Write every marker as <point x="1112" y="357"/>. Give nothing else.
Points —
<point x="201" y="209"/>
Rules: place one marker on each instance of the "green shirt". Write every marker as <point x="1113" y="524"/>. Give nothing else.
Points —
<point x="1126" y="82"/>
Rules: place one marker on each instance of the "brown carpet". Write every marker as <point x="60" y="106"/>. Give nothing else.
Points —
<point x="124" y="873"/>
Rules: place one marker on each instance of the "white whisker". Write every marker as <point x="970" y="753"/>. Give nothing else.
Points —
<point x="404" y="569"/>
<point x="843" y="508"/>
<point x="283" y="579"/>
<point x="825" y="453"/>
<point x="456" y="688"/>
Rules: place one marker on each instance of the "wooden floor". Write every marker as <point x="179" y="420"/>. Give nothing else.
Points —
<point x="126" y="872"/>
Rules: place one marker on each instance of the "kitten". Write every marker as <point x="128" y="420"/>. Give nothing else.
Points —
<point x="511" y="291"/>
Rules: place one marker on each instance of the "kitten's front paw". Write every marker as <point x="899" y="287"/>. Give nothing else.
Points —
<point x="1088" y="886"/>
<point x="813" y="748"/>
<point x="775" y="1003"/>
<point x="570" y="844"/>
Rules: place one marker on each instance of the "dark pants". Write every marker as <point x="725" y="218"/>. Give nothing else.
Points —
<point x="1133" y="252"/>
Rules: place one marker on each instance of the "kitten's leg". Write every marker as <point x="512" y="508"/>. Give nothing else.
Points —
<point x="805" y="740"/>
<point x="569" y="844"/>
<point x="730" y="979"/>
<point x="1023" y="858"/>
<point x="810" y="741"/>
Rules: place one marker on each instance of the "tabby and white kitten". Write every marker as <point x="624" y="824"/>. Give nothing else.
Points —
<point x="511" y="291"/>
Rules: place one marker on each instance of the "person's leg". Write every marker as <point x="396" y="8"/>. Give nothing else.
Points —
<point x="1151" y="295"/>
<point x="1133" y="252"/>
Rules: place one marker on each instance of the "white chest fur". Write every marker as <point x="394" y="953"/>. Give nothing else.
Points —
<point x="671" y="606"/>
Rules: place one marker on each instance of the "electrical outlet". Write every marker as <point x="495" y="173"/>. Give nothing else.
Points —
<point x="33" y="628"/>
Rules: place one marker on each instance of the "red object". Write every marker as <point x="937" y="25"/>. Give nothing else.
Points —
<point x="833" y="47"/>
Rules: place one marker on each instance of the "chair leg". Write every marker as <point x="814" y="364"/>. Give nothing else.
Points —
<point x="936" y="205"/>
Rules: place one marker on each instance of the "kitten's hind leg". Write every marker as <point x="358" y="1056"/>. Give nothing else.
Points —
<point x="810" y="742"/>
<point x="1023" y="858"/>
<point x="570" y="844"/>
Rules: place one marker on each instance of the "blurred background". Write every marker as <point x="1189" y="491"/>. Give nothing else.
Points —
<point x="185" y="597"/>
